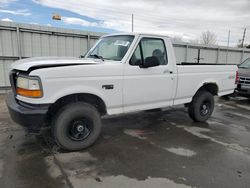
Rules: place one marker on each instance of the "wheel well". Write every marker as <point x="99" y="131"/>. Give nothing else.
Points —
<point x="84" y="97"/>
<point x="210" y="87"/>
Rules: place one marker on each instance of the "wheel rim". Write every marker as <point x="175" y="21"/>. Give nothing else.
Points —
<point x="205" y="108"/>
<point x="79" y="129"/>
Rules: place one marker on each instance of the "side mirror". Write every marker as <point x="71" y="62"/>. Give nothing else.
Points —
<point x="150" y="62"/>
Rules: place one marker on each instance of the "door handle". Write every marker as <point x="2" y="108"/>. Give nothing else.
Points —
<point x="167" y="71"/>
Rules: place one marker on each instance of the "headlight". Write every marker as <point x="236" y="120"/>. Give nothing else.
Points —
<point x="29" y="87"/>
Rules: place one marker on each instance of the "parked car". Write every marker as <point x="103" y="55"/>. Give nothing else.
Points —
<point x="243" y="86"/>
<point x="122" y="73"/>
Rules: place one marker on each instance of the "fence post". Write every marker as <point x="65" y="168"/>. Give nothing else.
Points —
<point x="186" y="53"/>
<point x="242" y="55"/>
<point x="88" y="41"/>
<point x="217" y="57"/>
<point x="18" y="42"/>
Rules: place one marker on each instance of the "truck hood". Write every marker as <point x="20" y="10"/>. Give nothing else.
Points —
<point x="244" y="72"/>
<point x="29" y="64"/>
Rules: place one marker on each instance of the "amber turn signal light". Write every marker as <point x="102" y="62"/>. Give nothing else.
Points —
<point x="29" y="93"/>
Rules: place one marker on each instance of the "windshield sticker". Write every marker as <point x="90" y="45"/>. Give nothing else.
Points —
<point x="121" y="43"/>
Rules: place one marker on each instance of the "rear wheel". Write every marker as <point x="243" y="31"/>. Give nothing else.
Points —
<point x="77" y="126"/>
<point x="202" y="106"/>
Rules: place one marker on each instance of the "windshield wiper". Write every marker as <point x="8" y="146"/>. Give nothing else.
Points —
<point x="97" y="56"/>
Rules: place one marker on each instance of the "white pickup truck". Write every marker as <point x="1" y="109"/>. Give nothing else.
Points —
<point x="122" y="73"/>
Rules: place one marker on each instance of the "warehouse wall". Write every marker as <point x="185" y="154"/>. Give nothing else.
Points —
<point x="186" y="52"/>
<point x="25" y="40"/>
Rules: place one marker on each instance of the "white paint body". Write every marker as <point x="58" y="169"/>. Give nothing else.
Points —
<point x="135" y="88"/>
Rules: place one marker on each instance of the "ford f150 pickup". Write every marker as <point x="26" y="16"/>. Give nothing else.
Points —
<point x="122" y="73"/>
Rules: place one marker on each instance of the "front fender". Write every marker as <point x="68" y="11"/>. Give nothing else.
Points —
<point x="52" y="97"/>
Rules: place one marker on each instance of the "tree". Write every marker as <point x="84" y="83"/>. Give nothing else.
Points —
<point x="208" y="37"/>
<point x="239" y="44"/>
<point x="194" y="41"/>
<point x="177" y="39"/>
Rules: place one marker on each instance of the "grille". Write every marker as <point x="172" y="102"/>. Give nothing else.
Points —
<point x="245" y="80"/>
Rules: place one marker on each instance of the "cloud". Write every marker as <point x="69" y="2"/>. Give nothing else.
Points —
<point x="34" y="23"/>
<point x="4" y="3"/>
<point x="186" y="19"/>
<point x="20" y="12"/>
<point x="82" y="22"/>
<point x="78" y="21"/>
<point x="7" y="20"/>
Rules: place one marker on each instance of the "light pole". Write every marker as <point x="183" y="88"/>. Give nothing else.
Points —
<point x="132" y="22"/>
<point x="243" y="38"/>
<point x="228" y="40"/>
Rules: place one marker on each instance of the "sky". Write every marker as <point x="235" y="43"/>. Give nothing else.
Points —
<point x="185" y="19"/>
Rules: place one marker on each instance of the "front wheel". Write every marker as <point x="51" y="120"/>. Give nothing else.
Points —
<point x="202" y="106"/>
<point x="77" y="126"/>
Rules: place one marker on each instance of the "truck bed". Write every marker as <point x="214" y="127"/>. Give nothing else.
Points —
<point x="194" y="63"/>
<point x="191" y="76"/>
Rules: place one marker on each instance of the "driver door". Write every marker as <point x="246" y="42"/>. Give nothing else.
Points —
<point x="152" y="87"/>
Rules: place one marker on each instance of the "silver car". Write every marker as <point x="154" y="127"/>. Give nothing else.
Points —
<point x="243" y="87"/>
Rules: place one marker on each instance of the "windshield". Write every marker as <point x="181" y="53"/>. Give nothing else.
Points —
<point x="245" y="64"/>
<point x="112" y="47"/>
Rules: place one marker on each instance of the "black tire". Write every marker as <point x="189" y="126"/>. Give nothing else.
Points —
<point x="202" y="106"/>
<point x="76" y="126"/>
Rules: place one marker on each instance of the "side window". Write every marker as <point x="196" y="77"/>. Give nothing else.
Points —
<point x="136" y="58"/>
<point x="154" y="47"/>
<point x="149" y="47"/>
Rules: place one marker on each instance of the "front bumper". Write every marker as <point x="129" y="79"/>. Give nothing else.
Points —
<point x="243" y="90"/>
<point x="32" y="117"/>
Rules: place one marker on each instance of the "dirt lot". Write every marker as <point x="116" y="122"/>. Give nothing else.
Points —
<point x="146" y="149"/>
